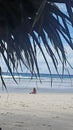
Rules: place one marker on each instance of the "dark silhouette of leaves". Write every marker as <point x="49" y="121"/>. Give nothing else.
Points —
<point x="20" y="20"/>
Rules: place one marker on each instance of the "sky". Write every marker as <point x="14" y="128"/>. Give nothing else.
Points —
<point x="41" y="63"/>
<point x="43" y="67"/>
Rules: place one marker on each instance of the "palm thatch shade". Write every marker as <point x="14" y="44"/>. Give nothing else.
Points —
<point x="21" y="19"/>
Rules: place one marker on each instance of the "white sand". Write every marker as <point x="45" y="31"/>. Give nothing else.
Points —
<point x="36" y="112"/>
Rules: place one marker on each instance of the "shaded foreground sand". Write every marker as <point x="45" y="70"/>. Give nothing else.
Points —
<point x="36" y="112"/>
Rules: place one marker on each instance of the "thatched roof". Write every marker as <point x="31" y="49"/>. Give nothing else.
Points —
<point x="20" y="19"/>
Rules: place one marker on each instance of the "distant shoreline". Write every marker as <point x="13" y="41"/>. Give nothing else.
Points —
<point x="42" y="75"/>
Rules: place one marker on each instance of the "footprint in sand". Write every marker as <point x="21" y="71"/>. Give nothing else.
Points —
<point x="20" y="122"/>
<point x="46" y="125"/>
<point x="49" y="125"/>
<point x="71" y="107"/>
<point x="43" y="124"/>
<point x="64" y="108"/>
<point x="55" y="117"/>
<point x="4" y="123"/>
<point x="23" y="105"/>
<point x="18" y="125"/>
<point x="2" y="113"/>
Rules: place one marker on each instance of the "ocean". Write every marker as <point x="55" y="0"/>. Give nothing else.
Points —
<point x="46" y="84"/>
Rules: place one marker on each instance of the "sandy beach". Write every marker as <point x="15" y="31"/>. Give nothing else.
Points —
<point x="36" y="112"/>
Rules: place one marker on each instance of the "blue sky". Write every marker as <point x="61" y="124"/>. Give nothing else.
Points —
<point x="41" y="62"/>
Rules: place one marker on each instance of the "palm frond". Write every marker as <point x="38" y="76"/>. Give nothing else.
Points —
<point x="19" y="20"/>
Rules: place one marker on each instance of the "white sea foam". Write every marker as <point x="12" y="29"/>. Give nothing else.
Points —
<point x="26" y="84"/>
